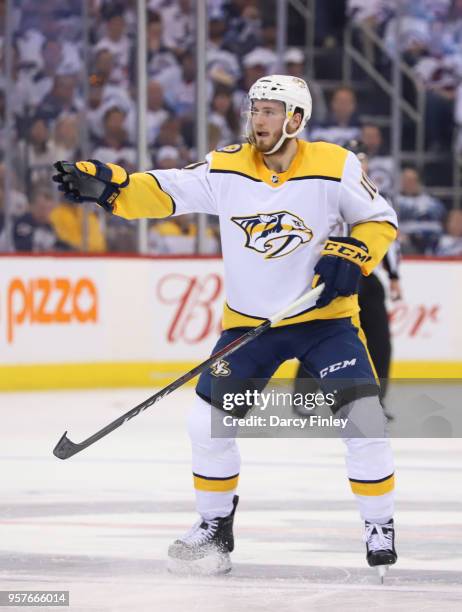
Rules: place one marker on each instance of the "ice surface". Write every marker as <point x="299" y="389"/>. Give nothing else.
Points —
<point x="99" y="524"/>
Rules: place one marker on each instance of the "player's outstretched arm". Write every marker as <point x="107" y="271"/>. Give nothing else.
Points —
<point x="154" y="195"/>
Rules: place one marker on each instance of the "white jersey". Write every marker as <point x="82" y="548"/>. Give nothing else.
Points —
<point x="273" y="226"/>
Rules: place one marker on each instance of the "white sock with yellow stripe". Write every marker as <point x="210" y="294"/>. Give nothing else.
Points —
<point x="215" y="464"/>
<point x="371" y="476"/>
<point x="369" y="460"/>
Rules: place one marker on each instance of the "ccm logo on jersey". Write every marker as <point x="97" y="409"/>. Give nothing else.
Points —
<point x="45" y="301"/>
<point x="337" y="366"/>
<point x="274" y="234"/>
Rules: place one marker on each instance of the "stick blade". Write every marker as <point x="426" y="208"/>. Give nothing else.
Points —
<point x="65" y="447"/>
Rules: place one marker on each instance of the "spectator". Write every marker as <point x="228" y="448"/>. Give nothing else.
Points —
<point x="121" y="235"/>
<point x="35" y="153"/>
<point x="68" y="223"/>
<point x="414" y="37"/>
<point x="244" y="29"/>
<point x="329" y="24"/>
<point x="452" y="29"/>
<point x="45" y="21"/>
<point x="458" y="118"/>
<point x="65" y="143"/>
<point x="380" y="164"/>
<point x="162" y="63"/>
<point x="18" y="201"/>
<point x="22" y="89"/>
<point x="420" y="216"/>
<point x="95" y="110"/>
<point x="103" y="96"/>
<point x="257" y="64"/>
<point x="224" y="116"/>
<point x="213" y="136"/>
<point x="103" y="66"/>
<point x="114" y="146"/>
<point x="156" y="114"/>
<point x="450" y="243"/>
<point x="33" y="231"/>
<point x="170" y="135"/>
<point x="116" y="39"/>
<point x="217" y="29"/>
<point x="441" y="77"/>
<point x="167" y="157"/>
<point x="61" y="99"/>
<point x="179" y="25"/>
<point x="52" y="54"/>
<point x="294" y="60"/>
<point x="342" y="124"/>
<point x="29" y="43"/>
<point x="269" y="33"/>
<point x="181" y="96"/>
<point x="370" y="14"/>
<point x="367" y="12"/>
<point x="179" y="235"/>
<point x="222" y="67"/>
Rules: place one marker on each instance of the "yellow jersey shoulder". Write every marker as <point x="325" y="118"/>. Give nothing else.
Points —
<point x="322" y="159"/>
<point x="313" y="159"/>
<point x="236" y="158"/>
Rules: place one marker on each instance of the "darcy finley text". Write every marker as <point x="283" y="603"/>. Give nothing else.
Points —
<point x="313" y="420"/>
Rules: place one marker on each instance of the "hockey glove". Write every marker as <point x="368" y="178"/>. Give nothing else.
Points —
<point x="91" y="180"/>
<point x="339" y="268"/>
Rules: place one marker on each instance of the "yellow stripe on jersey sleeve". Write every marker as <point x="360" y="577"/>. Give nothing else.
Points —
<point x="143" y="197"/>
<point x="377" y="236"/>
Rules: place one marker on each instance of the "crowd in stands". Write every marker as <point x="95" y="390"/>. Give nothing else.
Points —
<point x="429" y="38"/>
<point x="66" y="109"/>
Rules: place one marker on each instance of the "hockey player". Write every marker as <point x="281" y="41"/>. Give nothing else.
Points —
<point x="280" y="201"/>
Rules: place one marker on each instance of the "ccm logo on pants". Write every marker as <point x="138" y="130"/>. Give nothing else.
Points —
<point x="337" y="366"/>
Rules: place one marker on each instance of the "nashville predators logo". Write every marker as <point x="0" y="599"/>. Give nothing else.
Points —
<point x="220" y="368"/>
<point x="274" y="234"/>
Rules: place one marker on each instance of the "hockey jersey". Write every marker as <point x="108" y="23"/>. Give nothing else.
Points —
<point x="272" y="225"/>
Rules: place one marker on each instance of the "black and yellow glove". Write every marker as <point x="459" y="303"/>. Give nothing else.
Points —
<point x="91" y="180"/>
<point x="339" y="268"/>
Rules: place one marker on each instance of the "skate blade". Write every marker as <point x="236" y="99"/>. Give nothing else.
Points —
<point x="382" y="572"/>
<point x="210" y="565"/>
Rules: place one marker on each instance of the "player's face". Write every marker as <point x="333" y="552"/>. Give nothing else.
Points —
<point x="267" y="117"/>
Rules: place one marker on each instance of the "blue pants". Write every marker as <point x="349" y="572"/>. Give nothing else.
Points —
<point x="332" y="351"/>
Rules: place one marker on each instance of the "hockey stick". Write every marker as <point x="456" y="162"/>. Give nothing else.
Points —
<point x="66" y="448"/>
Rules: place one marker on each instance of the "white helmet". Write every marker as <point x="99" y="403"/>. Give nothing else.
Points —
<point x="292" y="91"/>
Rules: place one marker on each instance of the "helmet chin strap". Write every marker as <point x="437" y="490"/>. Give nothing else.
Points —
<point x="280" y="142"/>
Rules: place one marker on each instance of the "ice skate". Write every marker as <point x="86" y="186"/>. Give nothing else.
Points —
<point x="380" y="546"/>
<point x="205" y="548"/>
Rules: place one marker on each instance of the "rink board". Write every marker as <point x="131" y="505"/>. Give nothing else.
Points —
<point x="142" y="321"/>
